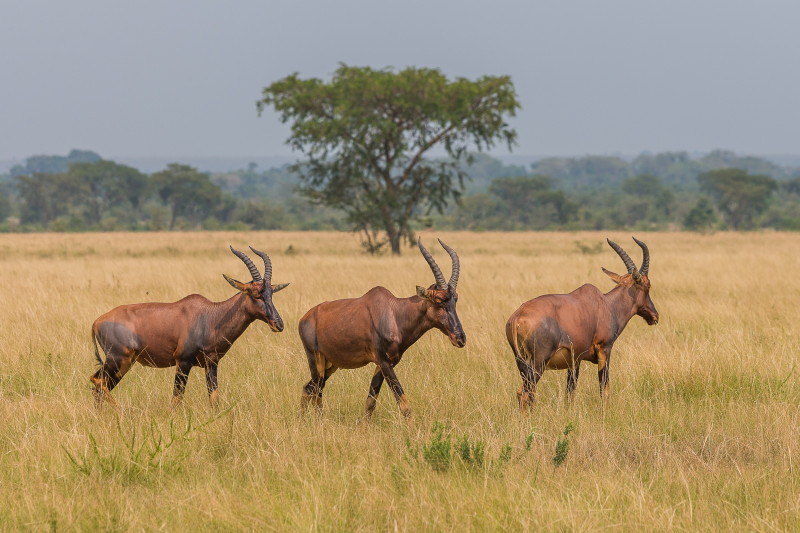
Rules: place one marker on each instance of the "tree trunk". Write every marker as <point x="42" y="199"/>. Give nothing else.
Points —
<point x="394" y="240"/>
<point x="396" y="237"/>
<point x="394" y="233"/>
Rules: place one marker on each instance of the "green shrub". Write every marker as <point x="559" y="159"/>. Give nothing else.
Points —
<point x="562" y="446"/>
<point x="438" y="452"/>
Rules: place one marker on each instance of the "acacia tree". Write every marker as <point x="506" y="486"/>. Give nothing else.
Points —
<point x="366" y="136"/>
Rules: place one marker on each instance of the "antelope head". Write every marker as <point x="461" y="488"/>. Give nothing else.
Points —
<point x="260" y="290"/>
<point x="443" y="297"/>
<point x="636" y="281"/>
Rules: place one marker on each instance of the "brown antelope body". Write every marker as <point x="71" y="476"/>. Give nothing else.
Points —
<point x="191" y="332"/>
<point x="559" y="331"/>
<point x="378" y="328"/>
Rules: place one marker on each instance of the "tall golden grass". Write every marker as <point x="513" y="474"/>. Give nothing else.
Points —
<point x="701" y="432"/>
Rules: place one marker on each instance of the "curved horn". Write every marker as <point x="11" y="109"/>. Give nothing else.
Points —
<point x="437" y="273"/>
<point x="267" y="265"/>
<point x="247" y="261"/>
<point x="455" y="264"/>
<point x="645" y="257"/>
<point x="629" y="264"/>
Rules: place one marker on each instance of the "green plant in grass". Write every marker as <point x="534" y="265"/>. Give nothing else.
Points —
<point x="562" y="446"/>
<point x="440" y="451"/>
<point x="437" y="453"/>
<point x="505" y="454"/>
<point x="144" y="451"/>
<point x="471" y="453"/>
<point x="528" y="441"/>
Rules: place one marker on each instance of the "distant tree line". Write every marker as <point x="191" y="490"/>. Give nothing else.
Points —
<point x="83" y="192"/>
<point x="666" y="191"/>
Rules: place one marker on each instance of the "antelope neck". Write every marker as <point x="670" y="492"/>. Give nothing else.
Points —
<point x="621" y="305"/>
<point x="232" y="316"/>
<point x="412" y="319"/>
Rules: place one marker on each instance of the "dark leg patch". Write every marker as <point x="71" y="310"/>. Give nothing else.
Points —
<point x="181" y="377"/>
<point x="374" y="390"/>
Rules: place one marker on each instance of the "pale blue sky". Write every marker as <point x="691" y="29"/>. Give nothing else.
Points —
<point x="180" y="78"/>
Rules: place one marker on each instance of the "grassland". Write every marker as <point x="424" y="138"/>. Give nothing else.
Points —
<point x="701" y="433"/>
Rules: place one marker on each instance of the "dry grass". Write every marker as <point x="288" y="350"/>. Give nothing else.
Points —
<point x="701" y="432"/>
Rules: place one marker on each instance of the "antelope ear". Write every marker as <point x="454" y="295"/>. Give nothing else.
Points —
<point x="276" y="288"/>
<point x="616" y="278"/>
<point x="422" y="292"/>
<point x="238" y="285"/>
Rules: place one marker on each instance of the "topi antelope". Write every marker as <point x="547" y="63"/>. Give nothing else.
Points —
<point x="378" y="328"/>
<point x="558" y="331"/>
<point x="191" y="332"/>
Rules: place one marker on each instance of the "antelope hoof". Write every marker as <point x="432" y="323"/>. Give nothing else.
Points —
<point x="305" y="401"/>
<point x="97" y="391"/>
<point x="102" y="394"/>
<point x="310" y="400"/>
<point x="526" y="401"/>
<point x="405" y="406"/>
<point x="370" y="407"/>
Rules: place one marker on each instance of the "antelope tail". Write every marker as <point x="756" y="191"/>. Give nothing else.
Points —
<point x="521" y="353"/>
<point x="96" y="351"/>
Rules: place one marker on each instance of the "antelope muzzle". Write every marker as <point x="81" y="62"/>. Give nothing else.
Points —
<point x="276" y="324"/>
<point x="458" y="339"/>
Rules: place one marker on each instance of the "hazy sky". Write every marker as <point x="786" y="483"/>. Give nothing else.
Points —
<point x="180" y="78"/>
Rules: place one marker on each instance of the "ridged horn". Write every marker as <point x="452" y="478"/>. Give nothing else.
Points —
<point x="629" y="264"/>
<point x="437" y="273"/>
<point x="247" y="261"/>
<point x="456" y="265"/>
<point x="645" y="257"/>
<point x="267" y="265"/>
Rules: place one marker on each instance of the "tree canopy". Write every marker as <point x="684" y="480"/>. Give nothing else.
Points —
<point x="701" y="217"/>
<point x="367" y="135"/>
<point x="532" y="201"/>
<point x="101" y="184"/>
<point x="190" y="194"/>
<point x="740" y="196"/>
